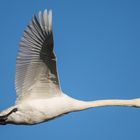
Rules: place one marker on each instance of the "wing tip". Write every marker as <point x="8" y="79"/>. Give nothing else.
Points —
<point x="50" y="20"/>
<point x="47" y="18"/>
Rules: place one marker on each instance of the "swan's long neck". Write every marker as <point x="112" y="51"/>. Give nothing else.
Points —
<point x="117" y="102"/>
<point x="82" y="105"/>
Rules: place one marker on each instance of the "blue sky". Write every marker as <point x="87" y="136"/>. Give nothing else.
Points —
<point x="97" y="44"/>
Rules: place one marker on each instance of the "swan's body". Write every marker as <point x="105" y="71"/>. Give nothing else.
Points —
<point x="39" y="96"/>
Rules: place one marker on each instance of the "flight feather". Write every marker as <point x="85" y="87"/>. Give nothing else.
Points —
<point x="36" y="70"/>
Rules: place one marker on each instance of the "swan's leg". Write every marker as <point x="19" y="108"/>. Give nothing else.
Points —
<point x="3" y="120"/>
<point x="4" y="117"/>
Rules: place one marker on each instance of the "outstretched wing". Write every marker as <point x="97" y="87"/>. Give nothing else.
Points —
<point x="36" y="71"/>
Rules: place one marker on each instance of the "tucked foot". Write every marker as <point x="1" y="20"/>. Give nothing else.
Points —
<point x="14" y="110"/>
<point x="4" y="117"/>
<point x="3" y="120"/>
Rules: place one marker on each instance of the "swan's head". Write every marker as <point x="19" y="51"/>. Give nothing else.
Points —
<point x="136" y="102"/>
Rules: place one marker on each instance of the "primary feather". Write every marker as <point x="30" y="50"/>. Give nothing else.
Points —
<point x="36" y="71"/>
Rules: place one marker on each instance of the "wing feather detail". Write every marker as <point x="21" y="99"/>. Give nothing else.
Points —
<point x="36" y="70"/>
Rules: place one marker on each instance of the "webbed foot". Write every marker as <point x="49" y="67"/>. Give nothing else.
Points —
<point x="4" y="117"/>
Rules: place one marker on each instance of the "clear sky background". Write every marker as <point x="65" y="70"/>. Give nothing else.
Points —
<point x="97" y="43"/>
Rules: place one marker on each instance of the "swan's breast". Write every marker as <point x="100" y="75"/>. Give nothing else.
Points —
<point x="39" y="110"/>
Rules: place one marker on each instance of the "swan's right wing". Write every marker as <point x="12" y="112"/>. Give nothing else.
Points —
<point x="36" y="71"/>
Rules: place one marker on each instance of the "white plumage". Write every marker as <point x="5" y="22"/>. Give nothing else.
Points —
<point x="39" y="96"/>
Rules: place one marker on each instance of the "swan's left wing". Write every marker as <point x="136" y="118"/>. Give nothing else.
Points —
<point x="36" y="71"/>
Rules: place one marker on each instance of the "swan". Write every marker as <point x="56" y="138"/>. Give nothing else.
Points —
<point x="39" y="95"/>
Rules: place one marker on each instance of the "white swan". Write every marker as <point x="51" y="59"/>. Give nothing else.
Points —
<point x="39" y="96"/>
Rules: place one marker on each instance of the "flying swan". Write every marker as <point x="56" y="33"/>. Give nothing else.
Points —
<point x="39" y="96"/>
